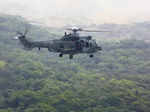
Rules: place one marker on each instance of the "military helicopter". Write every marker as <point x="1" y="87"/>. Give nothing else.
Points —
<point x="70" y="44"/>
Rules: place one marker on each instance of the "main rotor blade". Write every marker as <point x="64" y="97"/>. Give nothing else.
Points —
<point x="68" y="29"/>
<point x="71" y="29"/>
<point x="80" y="29"/>
<point x="94" y="31"/>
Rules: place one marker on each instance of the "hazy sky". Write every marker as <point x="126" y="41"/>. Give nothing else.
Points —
<point x="93" y="11"/>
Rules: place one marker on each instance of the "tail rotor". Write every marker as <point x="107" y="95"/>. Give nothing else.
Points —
<point x="20" y="34"/>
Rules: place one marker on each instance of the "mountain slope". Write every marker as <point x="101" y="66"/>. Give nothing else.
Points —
<point x="117" y="80"/>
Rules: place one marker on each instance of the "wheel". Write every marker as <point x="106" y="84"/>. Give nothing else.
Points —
<point x="70" y="56"/>
<point x="60" y="55"/>
<point x="91" y="56"/>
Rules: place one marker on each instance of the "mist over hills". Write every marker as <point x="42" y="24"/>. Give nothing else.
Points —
<point x="125" y="31"/>
<point x="116" y="31"/>
<point x="59" y="13"/>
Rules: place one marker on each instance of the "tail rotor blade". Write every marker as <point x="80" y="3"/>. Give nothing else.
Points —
<point x="15" y="38"/>
<point x="26" y="31"/>
<point x="27" y="27"/>
<point x="19" y="33"/>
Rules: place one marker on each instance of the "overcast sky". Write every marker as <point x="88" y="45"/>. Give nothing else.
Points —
<point x="93" y="11"/>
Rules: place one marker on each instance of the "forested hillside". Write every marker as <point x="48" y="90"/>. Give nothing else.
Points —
<point x="115" y="80"/>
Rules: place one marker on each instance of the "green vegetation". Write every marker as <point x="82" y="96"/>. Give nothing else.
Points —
<point x="117" y="80"/>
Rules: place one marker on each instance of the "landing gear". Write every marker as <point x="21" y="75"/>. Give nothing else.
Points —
<point x="60" y="55"/>
<point x="91" y="56"/>
<point x="70" y="56"/>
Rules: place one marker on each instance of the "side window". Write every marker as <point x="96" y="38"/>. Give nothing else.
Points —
<point x="87" y="44"/>
<point x="61" y="46"/>
<point x="90" y="43"/>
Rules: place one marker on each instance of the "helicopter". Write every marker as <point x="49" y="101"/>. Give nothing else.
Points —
<point x="70" y="44"/>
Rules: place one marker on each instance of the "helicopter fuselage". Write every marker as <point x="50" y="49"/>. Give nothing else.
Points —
<point x="69" y="44"/>
<point x="73" y="47"/>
